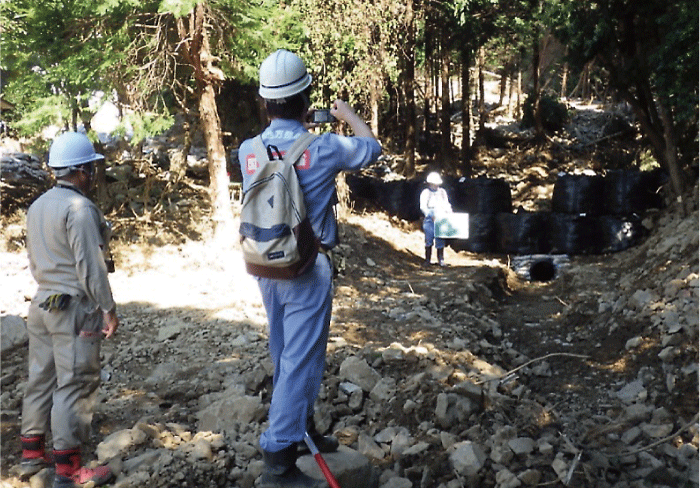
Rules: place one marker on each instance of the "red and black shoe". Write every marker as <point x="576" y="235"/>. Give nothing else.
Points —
<point x="70" y="474"/>
<point x="34" y="457"/>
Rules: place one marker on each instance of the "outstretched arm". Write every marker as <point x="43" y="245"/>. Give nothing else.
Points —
<point x="342" y="111"/>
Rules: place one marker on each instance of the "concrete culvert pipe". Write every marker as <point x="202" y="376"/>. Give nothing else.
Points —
<point x="543" y="270"/>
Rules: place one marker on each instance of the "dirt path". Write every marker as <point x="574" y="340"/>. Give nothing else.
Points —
<point x="192" y="324"/>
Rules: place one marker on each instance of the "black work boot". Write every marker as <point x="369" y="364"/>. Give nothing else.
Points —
<point x="324" y="443"/>
<point x="441" y="256"/>
<point x="281" y="471"/>
<point x="428" y="255"/>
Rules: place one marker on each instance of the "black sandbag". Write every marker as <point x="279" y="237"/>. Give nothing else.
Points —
<point x="388" y="195"/>
<point x="573" y="234"/>
<point x="523" y="233"/>
<point x="409" y="200"/>
<point x="482" y="235"/>
<point x="361" y="187"/>
<point x="482" y="196"/>
<point x="631" y="191"/>
<point x="579" y="194"/>
<point x="619" y="233"/>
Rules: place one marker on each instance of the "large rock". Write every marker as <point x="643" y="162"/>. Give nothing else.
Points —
<point x="13" y="332"/>
<point x="359" y="372"/>
<point x="231" y="410"/>
<point x="349" y="467"/>
<point x="467" y="458"/>
<point x="119" y="442"/>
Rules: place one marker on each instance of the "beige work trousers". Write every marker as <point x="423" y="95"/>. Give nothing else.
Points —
<point x="64" y="371"/>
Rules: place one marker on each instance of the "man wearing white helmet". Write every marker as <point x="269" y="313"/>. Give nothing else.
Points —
<point x="433" y="204"/>
<point x="67" y="237"/>
<point x="299" y="309"/>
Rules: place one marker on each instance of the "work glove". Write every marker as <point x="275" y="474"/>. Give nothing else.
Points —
<point x="54" y="303"/>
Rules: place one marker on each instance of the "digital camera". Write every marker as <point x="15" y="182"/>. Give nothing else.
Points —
<point x="322" y="116"/>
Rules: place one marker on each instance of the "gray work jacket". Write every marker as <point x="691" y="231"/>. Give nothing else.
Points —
<point x="66" y="237"/>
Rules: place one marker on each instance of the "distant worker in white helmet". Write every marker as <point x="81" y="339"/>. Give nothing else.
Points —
<point x="434" y="203"/>
<point x="67" y="244"/>
<point x="299" y="309"/>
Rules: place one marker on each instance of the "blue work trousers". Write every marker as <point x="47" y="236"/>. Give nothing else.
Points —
<point x="298" y="314"/>
<point x="429" y="229"/>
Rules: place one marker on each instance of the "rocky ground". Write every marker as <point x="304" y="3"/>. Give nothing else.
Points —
<point x="464" y="376"/>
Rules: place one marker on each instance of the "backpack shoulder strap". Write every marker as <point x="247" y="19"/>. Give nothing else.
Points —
<point x="299" y="146"/>
<point x="293" y="154"/>
<point x="259" y="149"/>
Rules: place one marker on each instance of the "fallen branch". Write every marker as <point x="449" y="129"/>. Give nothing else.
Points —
<point x="512" y="371"/>
<point x="656" y="443"/>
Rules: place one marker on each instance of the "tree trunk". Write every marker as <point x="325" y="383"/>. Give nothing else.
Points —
<point x="100" y="187"/>
<point x="195" y="44"/>
<point x="655" y="119"/>
<point x="466" y="113"/>
<point x="178" y="161"/>
<point x="519" y="94"/>
<point x="658" y="127"/>
<point x="502" y="86"/>
<point x="536" y="95"/>
<point x="218" y="177"/>
<point x="671" y="153"/>
<point x="565" y="75"/>
<point x="374" y="107"/>
<point x="482" y="91"/>
<point x="445" y="130"/>
<point x="511" y="84"/>
<point x="409" y="91"/>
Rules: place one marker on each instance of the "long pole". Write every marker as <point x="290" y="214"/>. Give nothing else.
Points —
<point x="332" y="482"/>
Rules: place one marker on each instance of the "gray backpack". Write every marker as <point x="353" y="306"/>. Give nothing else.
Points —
<point x="277" y="239"/>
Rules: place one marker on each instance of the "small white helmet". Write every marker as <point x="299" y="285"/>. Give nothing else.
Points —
<point x="72" y="149"/>
<point x="282" y="75"/>
<point x="434" y="179"/>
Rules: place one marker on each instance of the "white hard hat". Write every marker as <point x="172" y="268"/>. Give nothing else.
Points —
<point x="434" y="179"/>
<point x="72" y="149"/>
<point x="282" y="75"/>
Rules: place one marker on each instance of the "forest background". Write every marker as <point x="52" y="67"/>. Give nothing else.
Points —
<point x="411" y="68"/>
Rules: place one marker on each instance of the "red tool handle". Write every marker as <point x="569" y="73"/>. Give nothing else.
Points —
<point x="332" y="482"/>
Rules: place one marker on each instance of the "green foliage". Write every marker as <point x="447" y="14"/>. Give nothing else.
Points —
<point x="647" y="161"/>
<point x="52" y="50"/>
<point x="179" y="8"/>
<point x="145" y="125"/>
<point x="650" y="52"/>
<point x="43" y="112"/>
<point x="674" y="65"/>
<point x="554" y="113"/>
<point x="349" y="48"/>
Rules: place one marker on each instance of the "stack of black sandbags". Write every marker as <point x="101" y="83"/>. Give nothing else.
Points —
<point x="483" y="199"/>
<point x="397" y="197"/>
<point x="628" y="194"/>
<point x="523" y="232"/>
<point x="591" y="214"/>
<point x="577" y="200"/>
<point x="598" y="215"/>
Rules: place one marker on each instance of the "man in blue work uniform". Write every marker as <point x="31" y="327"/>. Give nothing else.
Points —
<point x="299" y="309"/>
